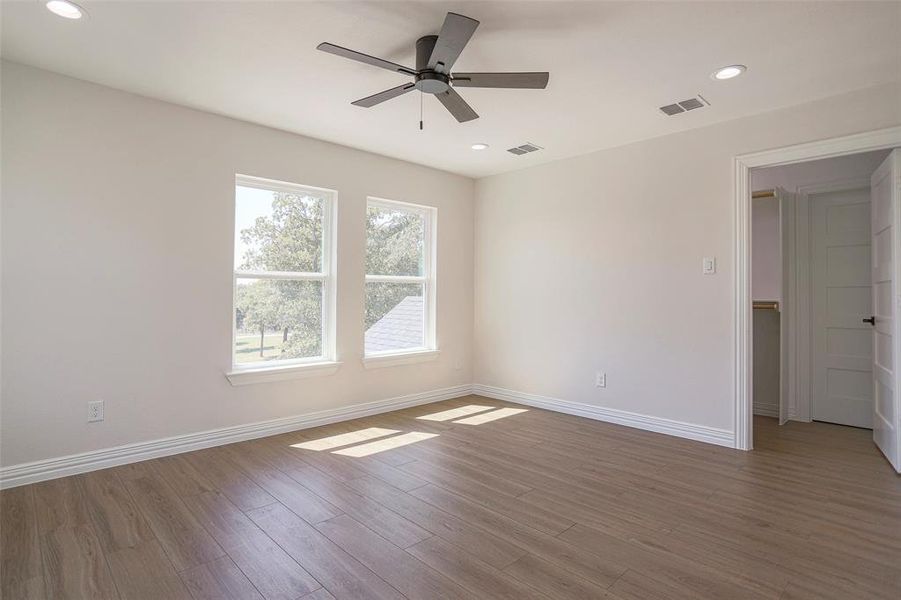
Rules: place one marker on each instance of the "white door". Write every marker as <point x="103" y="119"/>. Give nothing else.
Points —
<point x="841" y="298"/>
<point x="886" y="194"/>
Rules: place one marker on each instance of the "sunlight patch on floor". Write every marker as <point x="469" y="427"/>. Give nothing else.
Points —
<point x="491" y="416"/>
<point x="455" y="413"/>
<point x="345" y="439"/>
<point x="386" y="444"/>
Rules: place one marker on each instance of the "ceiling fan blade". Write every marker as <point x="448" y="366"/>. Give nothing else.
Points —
<point x="370" y="101"/>
<point x="454" y="36"/>
<point x="457" y="106"/>
<point x="364" y="58"/>
<point x="535" y="81"/>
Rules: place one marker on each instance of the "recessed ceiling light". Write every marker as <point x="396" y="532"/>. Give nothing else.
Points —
<point x="729" y="72"/>
<point x="480" y="146"/>
<point x="65" y="9"/>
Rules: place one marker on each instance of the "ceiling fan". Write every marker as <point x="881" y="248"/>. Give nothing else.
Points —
<point x="435" y="57"/>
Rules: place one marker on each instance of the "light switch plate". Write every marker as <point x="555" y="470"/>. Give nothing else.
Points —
<point x="708" y="265"/>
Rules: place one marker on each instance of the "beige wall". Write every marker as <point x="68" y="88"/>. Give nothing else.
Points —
<point x="594" y="263"/>
<point x="117" y="257"/>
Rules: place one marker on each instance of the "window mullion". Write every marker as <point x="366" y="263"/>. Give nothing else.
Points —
<point x="396" y="278"/>
<point x="298" y="275"/>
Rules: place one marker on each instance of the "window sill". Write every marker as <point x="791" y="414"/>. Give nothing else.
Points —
<point x="282" y="373"/>
<point x="399" y="358"/>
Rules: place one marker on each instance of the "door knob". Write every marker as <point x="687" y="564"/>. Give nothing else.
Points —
<point x="871" y="321"/>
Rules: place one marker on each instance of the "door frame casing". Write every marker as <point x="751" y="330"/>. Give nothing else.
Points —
<point x="881" y="139"/>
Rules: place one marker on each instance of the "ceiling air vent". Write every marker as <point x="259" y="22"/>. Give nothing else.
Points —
<point x="691" y="104"/>
<point x="524" y="149"/>
<point x="684" y="106"/>
<point x="672" y="109"/>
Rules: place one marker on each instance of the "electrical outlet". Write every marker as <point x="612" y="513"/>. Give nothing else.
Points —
<point x="95" y="411"/>
<point x="600" y="379"/>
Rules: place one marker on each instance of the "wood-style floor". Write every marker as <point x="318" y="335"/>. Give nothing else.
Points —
<point x="530" y="505"/>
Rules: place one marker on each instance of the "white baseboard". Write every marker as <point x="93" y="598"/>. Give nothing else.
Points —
<point x="701" y="433"/>
<point x="766" y="410"/>
<point x="52" y="468"/>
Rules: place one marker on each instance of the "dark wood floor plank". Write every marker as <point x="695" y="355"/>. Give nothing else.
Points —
<point x="75" y="566"/>
<point x="275" y="574"/>
<point x="187" y="544"/>
<point x="553" y="580"/>
<point x="489" y="437"/>
<point x="340" y="573"/>
<point x="638" y="586"/>
<point x="765" y="578"/>
<point x="60" y="503"/>
<point x="114" y="515"/>
<point x="601" y="569"/>
<point x="482" y="544"/>
<point x="281" y="453"/>
<point x="280" y="486"/>
<point x="219" y="580"/>
<point x="399" y="478"/>
<point x="533" y="466"/>
<point x="135" y="470"/>
<point x="798" y="555"/>
<point x="182" y="477"/>
<point x="883" y="550"/>
<point x="21" y="567"/>
<point x="504" y="465"/>
<point x="143" y="572"/>
<point x="696" y="580"/>
<point x="343" y="467"/>
<point x="470" y="480"/>
<point x="549" y="521"/>
<point x="320" y="594"/>
<point x="810" y="588"/>
<point x="610" y="516"/>
<point x="479" y="578"/>
<point x="228" y="479"/>
<point x="381" y="519"/>
<point x="24" y="589"/>
<point x="411" y="576"/>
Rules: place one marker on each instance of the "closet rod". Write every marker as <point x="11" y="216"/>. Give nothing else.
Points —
<point x="766" y="305"/>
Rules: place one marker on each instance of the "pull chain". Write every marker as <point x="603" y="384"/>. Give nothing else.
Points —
<point x="420" y="110"/>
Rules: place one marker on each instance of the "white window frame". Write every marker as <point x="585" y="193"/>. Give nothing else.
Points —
<point x="326" y="363"/>
<point x="428" y="279"/>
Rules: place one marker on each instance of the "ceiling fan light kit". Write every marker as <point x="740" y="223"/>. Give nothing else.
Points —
<point x="435" y="57"/>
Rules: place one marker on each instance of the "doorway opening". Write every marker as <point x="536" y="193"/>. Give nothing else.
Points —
<point x="812" y="285"/>
<point x="813" y="262"/>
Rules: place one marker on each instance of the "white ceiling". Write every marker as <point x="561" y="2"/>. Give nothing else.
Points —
<point x="611" y="65"/>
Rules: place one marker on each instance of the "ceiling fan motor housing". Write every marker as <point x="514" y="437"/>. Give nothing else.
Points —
<point x="428" y="80"/>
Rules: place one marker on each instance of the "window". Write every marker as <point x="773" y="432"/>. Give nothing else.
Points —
<point x="284" y="275"/>
<point x="400" y="278"/>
